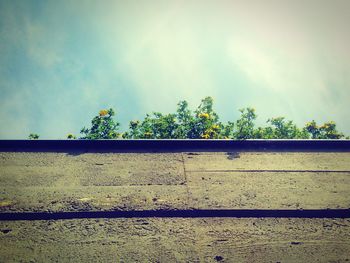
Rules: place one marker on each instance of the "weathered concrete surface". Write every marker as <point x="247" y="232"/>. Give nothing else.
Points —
<point x="62" y="182"/>
<point x="269" y="190"/>
<point x="58" y="182"/>
<point x="66" y="170"/>
<point x="176" y="240"/>
<point x="260" y="161"/>
<point x="93" y="198"/>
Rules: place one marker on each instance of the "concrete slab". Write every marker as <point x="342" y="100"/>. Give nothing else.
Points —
<point x="176" y="240"/>
<point x="268" y="190"/>
<point x="59" y="182"/>
<point x="94" y="198"/>
<point x="90" y="169"/>
<point x="284" y="161"/>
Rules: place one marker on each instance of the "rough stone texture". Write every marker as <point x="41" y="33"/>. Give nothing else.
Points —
<point x="300" y="161"/>
<point x="90" y="169"/>
<point x="65" y="182"/>
<point x="58" y="182"/>
<point x="176" y="240"/>
<point x="269" y="190"/>
<point x="107" y="198"/>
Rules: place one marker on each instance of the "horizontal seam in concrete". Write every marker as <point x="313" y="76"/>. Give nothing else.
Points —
<point x="178" y="145"/>
<point x="267" y="171"/>
<point x="239" y="213"/>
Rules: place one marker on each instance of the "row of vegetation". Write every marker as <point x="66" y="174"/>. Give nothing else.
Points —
<point x="202" y="123"/>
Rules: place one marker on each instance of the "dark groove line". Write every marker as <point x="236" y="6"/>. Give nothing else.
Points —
<point x="178" y="145"/>
<point x="186" y="178"/>
<point x="266" y="171"/>
<point x="258" y="213"/>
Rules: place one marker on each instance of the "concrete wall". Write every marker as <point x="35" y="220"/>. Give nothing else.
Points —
<point x="66" y="182"/>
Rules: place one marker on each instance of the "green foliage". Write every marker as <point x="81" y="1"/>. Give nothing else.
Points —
<point x="185" y="120"/>
<point x="204" y="123"/>
<point x="102" y="127"/>
<point x="245" y="124"/>
<point x="33" y="136"/>
<point x="281" y="129"/>
<point x="71" y="136"/>
<point x="155" y="126"/>
<point x="326" y="131"/>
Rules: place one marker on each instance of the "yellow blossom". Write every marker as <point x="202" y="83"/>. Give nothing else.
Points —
<point x="103" y="113"/>
<point x="148" y="134"/>
<point x="204" y="115"/>
<point x="205" y="136"/>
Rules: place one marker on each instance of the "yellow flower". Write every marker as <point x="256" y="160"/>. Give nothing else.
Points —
<point x="205" y="136"/>
<point x="215" y="127"/>
<point x="103" y="113"/>
<point x="204" y="115"/>
<point x="148" y="134"/>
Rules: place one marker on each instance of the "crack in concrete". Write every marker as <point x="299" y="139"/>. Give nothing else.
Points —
<point x="186" y="181"/>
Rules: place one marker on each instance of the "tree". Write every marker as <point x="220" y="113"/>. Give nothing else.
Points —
<point x="33" y="136"/>
<point x="326" y="131"/>
<point x="185" y="120"/>
<point x="311" y="127"/>
<point x="329" y="131"/>
<point x="227" y="130"/>
<point x="245" y="124"/>
<point x="282" y="129"/>
<point x="204" y="123"/>
<point x="102" y="127"/>
<point x="155" y="126"/>
<point x="71" y="136"/>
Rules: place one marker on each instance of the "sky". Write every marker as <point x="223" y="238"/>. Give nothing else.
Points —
<point x="63" y="61"/>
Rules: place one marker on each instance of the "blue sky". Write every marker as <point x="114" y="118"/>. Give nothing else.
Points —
<point x="61" y="62"/>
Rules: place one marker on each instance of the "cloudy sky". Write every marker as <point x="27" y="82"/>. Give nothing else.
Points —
<point x="63" y="61"/>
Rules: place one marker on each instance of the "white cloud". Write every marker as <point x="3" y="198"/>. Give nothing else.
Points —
<point x="43" y="46"/>
<point x="283" y="57"/>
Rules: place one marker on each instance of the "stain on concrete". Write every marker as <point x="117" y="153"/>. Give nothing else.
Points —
<point x="232" y="155"/>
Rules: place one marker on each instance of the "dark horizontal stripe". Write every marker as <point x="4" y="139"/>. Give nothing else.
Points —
<point x="121" y="145"/>
<point x="258" y="213"/>
<point x="266" y="171"/>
